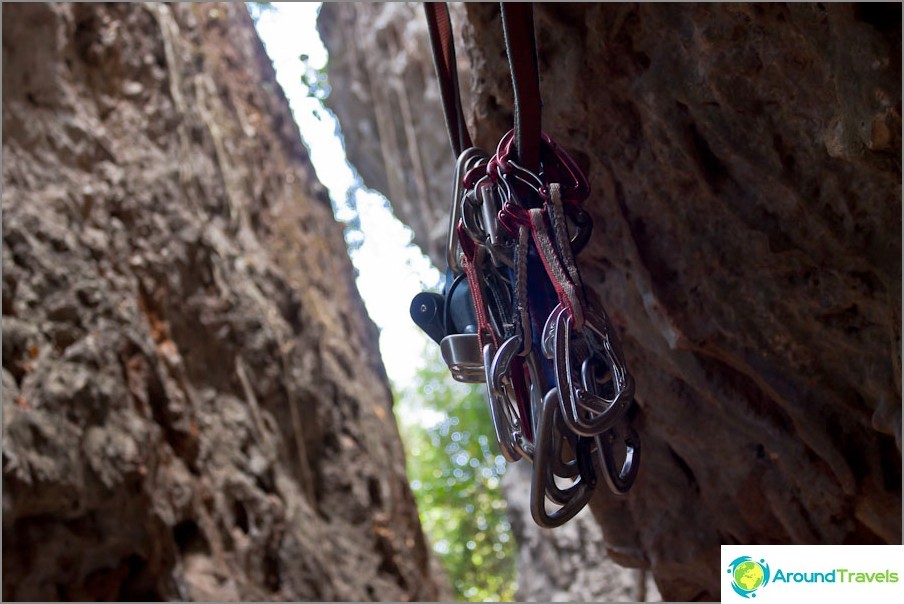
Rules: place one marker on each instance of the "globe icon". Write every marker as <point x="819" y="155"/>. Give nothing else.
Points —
<point x="749" y="575"/>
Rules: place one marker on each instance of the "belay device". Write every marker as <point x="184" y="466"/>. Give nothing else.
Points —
<point x="513" y="313"/>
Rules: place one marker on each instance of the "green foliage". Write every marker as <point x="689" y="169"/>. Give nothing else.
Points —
<point x="455" y="473"/>
<point x="315" y="78"/>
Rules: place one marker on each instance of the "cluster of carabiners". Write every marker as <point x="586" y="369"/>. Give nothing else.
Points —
<point x="514" y="315"/>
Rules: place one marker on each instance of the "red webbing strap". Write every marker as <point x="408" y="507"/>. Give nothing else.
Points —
<point x="441" y="41"/>
<point x="469" y="255"/>
<point x="518" y="26"/>
<point x="568" y="292"/>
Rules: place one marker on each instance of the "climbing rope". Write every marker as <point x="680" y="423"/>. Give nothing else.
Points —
<point x="514" y="313"/>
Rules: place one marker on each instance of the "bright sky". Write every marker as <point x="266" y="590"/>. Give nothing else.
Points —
<point x="391" y="270"/>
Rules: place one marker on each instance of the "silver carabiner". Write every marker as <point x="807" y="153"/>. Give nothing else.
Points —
<point x="471" y="217"/>
<point x="466" y="161"/>
<point x="619" y="479"/>
<point x="502" y="360"/>
<point x="573" y="498"/>
<point x="489" y="208"/>
<point x="505" y="426"/>
<point x="584" y="411"/>
<point x="500" y="374"/>
<point x="548" y="335"/>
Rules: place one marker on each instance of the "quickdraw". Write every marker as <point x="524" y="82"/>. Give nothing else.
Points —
<point x="514" y="314"/>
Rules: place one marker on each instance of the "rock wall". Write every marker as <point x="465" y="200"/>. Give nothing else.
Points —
<point x="746" y="167"/>
<point x="193" y="402"/>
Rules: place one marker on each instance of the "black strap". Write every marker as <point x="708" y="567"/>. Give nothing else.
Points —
<point x="440" y="27"/>
<point x="520" y="45"/>
<point x="521" y="48"/>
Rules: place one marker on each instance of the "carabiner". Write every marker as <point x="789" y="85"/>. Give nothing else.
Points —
<point x="464" y="163"/>
<point x="620" y="479"/>
<point x="504" y="425"/>
<point x="576" y="496"/>
<point x="585" y="412"/>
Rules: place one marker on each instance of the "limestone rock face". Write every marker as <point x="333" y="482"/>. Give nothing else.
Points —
<point x="193" y="402"/>
<point x="745" y="162"/>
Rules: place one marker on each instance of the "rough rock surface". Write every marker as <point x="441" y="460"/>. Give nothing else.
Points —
<point x="193" y="402"/>
<point x="746" y="167"/>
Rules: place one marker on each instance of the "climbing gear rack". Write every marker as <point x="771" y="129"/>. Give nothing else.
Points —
<point x="514" y="313"/>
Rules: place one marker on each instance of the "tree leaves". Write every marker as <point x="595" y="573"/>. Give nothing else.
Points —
<point x="455" y="469"/>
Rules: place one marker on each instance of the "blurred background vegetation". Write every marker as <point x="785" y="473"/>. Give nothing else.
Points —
<point x="455" y="470"/>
